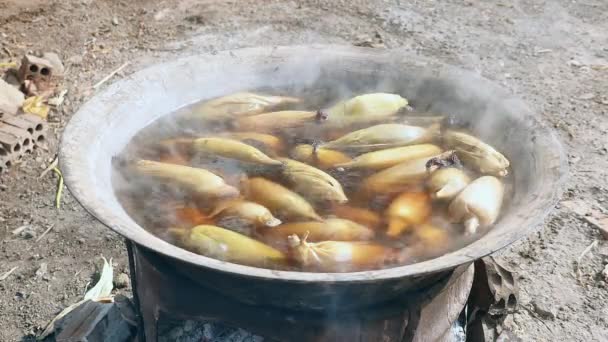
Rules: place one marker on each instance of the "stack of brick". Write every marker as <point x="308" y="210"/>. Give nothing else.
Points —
<point x="19" y="135"/>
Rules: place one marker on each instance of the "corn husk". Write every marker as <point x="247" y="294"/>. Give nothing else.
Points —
<point x="365" y="107"/>
<point x="181" y="147"/>
<point x="224" y="244"/>
<point x="190" y="216"/>
<point x="431" y="237"/>
<point x="279" y="200"/>
<point x="174" y="159"/>
<point x="383" y="136"/>
<point x="275" y="121"/>
<point x="383" y="159"/>
<point x="270" y="142"/>
<point x="250" y="212"/>
<point x="322" y="157"/>
<point x="406" y="211"/>
<point x="478" y="205"/>
<point x="475" y="152"/>
<point x="362" y="216"/>
<point x="239" y="104"/>
<point x="312" y="183"/>
<point x="331" y="229"/>
<point x="446" y="183"/>
<point x="338" y="255"/>
<point x="395" y="178"/>
<point x="233" y="149"/>
<point x="197" y="181"/>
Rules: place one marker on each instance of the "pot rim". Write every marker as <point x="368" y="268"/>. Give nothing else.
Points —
<point x="74" y="161"/>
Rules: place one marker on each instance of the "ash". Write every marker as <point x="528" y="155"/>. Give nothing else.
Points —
<point x="195" y="331"/>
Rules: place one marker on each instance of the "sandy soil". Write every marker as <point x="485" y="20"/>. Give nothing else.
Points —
<point x="551" y="53"/>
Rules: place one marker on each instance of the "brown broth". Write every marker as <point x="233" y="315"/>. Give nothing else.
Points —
<point x="158" y="206"/>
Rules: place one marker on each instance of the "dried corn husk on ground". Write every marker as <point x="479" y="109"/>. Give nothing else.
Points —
<point x="194" y="180"/>
<point x="406" y="211"/>
<point x="338" y="255"/>
<point x="239" y="104"/>
<point x="365" y="107"/>
<point x="478" y="205"/>
<point x="321" y="157"/>
<point x="223" y="244"/>
<point x="312" y="183"/>
<point x="383" y="136"/>
<point x="279" y="200"/>
<point x="233" y="149"/>
<point x="249" y="212"/>
<point x="335" y="229"/>
<point x="446" y="183"/>
<point x="383" y="159"/>
<point x="475" y="152"/>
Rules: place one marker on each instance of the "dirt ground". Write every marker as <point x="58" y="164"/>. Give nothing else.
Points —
<point x="553" y="54"/>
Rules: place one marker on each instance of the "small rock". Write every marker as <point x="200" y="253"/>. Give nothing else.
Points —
<point x="122" y="281"/>
<point x="586" y="96"/>
<point x="189" y="326"/>
<point x="603" y="251"/>
<point x="543" y="311"/>
<point x="55" y="61"/>
<point x="508" y="336"/>
<point x="11" y="99"/>
<point x="605" y="273"/>
<point x="74" y="60"/>
<point x="81" y="241"/>
<point x="577" y="206"/>
<point x="115" y="21"/>
<point x="42" y="270"/>
<point x="599" y="221"/>
<point x="26" y="231"/>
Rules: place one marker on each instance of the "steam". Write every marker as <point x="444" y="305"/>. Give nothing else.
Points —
<point x="323" y="81"/>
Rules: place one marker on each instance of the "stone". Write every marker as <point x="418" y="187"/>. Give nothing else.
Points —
<point x="122" y="281"/>
<point x="11" y="99"/>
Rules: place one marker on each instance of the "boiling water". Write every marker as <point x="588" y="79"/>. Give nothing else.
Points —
<point x="157" y="205"/>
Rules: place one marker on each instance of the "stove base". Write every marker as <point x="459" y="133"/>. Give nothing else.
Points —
<point x="160" y="293"/>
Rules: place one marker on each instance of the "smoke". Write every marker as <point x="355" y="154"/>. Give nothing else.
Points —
<point x="322" y="79"/>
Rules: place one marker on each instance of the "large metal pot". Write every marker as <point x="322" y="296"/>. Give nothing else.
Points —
<point x="104" y="125"/>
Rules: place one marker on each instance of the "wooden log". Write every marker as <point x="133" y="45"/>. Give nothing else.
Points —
<point x="94" y="322"/>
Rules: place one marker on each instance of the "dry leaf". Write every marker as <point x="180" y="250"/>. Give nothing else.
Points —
<point x="104" y="286"/>
<point x="50" y="328"/>
<point x="35" y="105"/>
<point x="57" y="101"/>
<point x="5" y="65"/>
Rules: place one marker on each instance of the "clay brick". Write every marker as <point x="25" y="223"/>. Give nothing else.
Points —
<point x="10" y="143"/>
<point x="19" y="122"/>
<point x="40" y="76"/>
<point x="23" y="137"/>
<point x="40" y="127"/>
